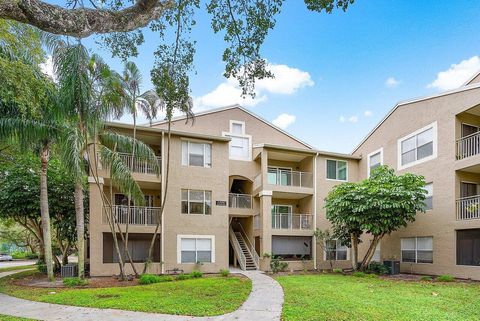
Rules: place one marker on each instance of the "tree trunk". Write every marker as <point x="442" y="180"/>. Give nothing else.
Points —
<point x="47" y="239"/>
<point x="371" y="252"/>
<point x="80" y="218"/>
<point x="162" y="206"/>
<point x="354" y="254"/>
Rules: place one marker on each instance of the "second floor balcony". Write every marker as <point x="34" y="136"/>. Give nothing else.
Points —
<point x="468" y="146"/>
<point x="242" y="201"/>
<point x="290" y="221"/>
<point x="134" y="215"/>
<point x="468" y="208"/>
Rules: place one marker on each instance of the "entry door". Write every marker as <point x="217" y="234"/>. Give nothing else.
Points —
<point x="468" y="189"/>
<point x="281" y="216"/>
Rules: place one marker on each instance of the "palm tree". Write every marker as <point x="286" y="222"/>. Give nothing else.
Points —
<point x="90" y="93"/>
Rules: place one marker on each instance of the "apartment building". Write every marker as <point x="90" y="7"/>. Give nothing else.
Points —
<point x="240" y="187"/>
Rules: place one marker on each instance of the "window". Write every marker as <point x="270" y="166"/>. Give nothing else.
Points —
<point x="337" y="170"/>
<point x="196" y="202"/>
<point x="429" y="196"/>
<point x="138" y="245"/>
<point x="335" y="251"/>
<point x="417" y="249"/>
<point x="417" y="147"/>
<point x="196" y="154"/>
<point x="468" y="247"/>
<point x="279" y="176"/>
<point x="375" y="159"/>
<point x="240" y="143"/>
<point x="193" y="249"/>
<point x="281" y="216"/>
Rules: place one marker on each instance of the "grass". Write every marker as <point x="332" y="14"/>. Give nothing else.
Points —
<point x="197" y="297"/>
<point x="9" y="318"/>
<point x="341" y="298"/>
<point x="16" y="268"/>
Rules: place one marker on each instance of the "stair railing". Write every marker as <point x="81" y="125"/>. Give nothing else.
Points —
<point x="242" y="260"/>
<point x="250" y="247"/>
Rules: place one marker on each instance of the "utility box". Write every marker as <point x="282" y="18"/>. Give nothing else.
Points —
<point x="69" y="270"/>
<point x="393" y="266"/>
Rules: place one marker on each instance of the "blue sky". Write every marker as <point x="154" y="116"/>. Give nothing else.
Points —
<point x="334" y="68"/>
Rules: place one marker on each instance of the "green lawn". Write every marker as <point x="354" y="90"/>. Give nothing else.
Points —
<point x="9" y="318"/>
<point x="338" y="297"/>
<point x="199" y="297"/>
<point x="16" y="268"/>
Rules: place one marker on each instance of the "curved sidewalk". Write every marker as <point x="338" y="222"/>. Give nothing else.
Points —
<point x="263" y="304"/>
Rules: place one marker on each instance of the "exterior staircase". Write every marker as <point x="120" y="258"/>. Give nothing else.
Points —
<point x="249" y="262"/>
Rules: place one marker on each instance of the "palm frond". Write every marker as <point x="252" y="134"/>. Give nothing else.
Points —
<point x="72" y="149"/>
<point x="27" y="132"/>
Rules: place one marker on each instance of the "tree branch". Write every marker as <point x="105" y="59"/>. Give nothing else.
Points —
<point x="83" y="22"/>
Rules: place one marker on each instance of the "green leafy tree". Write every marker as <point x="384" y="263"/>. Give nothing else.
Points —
<point x="379" y="205"/>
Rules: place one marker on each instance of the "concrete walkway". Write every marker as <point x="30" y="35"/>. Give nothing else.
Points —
<point x="263" y="304"/>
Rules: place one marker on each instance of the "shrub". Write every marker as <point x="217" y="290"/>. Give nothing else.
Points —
<point x="337" y="271"/>
<point x="359" y="274"/>
<point x="224" y="272"/>
<point x="71" y="282"/>
<point x="276" y="265"/>
<point x="151" y="278"/>
<point x="426" y="278"/>
<point x="42" y="268"/>
<point x="378" y="268"/>
<point x="183" y="276"/>
<point x="445" y="278"/>
<point x="196" y="274"/>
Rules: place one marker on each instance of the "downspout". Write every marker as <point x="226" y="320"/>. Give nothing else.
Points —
<point x="162" y="191"/>
<point x="315" y="210"/>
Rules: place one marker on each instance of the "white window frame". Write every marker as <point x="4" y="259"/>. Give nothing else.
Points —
<point x="415" y="133"/>
<point x="204" y="143"/>
<point x="380" y="150"/>
<point x="188" y="201"/>
<point x="337" y="242"/>
<point x="188" y="236"/>
<point x="242" y="135"/>
<point x="416" y="249"/>
<point x="336" y="170"/>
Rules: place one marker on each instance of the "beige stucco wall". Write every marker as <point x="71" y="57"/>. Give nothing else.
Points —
<point x="440" y="222"/>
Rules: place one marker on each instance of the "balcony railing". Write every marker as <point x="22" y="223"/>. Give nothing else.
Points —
<point x="240" y="201"/>
<point x="289" y="178"/>
<point x="139" y="166"/>
<point x="289" y="221"/>
<point x="468" y="146"/>
<point x="135" y="215"/>
<point x="468" y="208"/>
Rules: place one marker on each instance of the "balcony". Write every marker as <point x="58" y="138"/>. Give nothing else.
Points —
<point x="282" y="177"/>
<point x="135" y="215"/>
<point x="290" y="221"/>
<point x="139" y="166"/>
<point x="242" y="201"/>
<point x="468" y="146"/>
<point x="468" y="208"/>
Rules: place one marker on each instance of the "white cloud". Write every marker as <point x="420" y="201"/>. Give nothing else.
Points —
<point x="391" y="82"/>
<point x="287" y="81"/>
<point x="456" y="75"/>
<point x="367" y="113"/>
<point x="47" y="67"/>
<point x="284" y="120"/>
<point x="353" y="119"/>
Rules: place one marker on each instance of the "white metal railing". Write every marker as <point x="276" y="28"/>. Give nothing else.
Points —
<point x="291" y="221"/>
<point x="468" y="208"/>
<point x="240" y="200"/>
<point x="468" y="146"/>
<point x="242" y="260"/>
<point x="251" y="248"/>
<point x="139" y="166"/>
<point x="284" y="177"/>
<point x="135" y="215"/>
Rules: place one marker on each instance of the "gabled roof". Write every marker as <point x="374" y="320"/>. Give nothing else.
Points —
<point x="407" y="102"/>
<point x="475" y="75"/>
<point x="216" y="110"/>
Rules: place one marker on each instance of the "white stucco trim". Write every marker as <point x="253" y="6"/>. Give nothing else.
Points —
<point x="380" y="150"/>
<point x="419" y="161"/>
